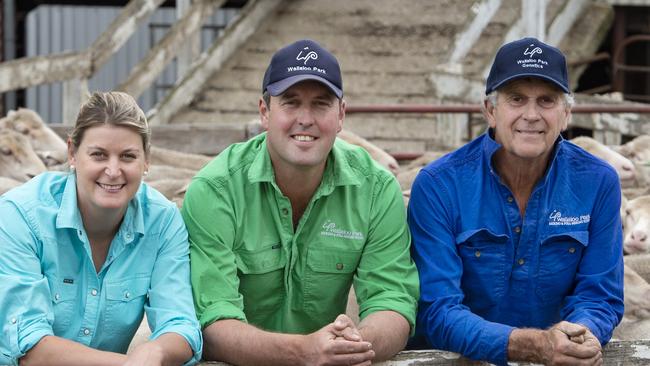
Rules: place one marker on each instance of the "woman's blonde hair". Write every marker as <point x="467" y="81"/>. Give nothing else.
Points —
<point x="111" y="108"/>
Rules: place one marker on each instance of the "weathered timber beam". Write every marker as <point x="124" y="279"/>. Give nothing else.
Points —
<point x="628" y="353"/>
<point x="148" y="69"/>
<point x="235" y="35"/>
<point x="121" y="30"/>
<point x="75" y="93"/>
<point x="25" y="72"/>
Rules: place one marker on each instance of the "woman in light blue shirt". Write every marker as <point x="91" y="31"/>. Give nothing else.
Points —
<point x="84" y="254"/>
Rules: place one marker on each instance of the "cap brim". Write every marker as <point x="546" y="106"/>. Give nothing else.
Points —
<point x="529" y="74"/>
<point x="281" y="86"/>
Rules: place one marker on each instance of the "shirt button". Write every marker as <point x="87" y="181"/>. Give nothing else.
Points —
<point x="13" y="320"/>
<point x="285" y="211"/>
<point x="128" y="235"/>
<point x="339" y="266"/>
<point x="57" y="296"/>
<point x="517" y="229"/>
<point x="86" y="331"/>
<point x="572" y="250"/>
<point x="521" y="261"/>
<point x="510" y="199"/>
<point x="127" y="294"/>
<point x="93" y="292"/>
<point x="477" y="253"/>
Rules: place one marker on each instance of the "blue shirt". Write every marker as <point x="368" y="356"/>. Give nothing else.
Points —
<point x="48" y="282"/>
<point x="485" y="269"/>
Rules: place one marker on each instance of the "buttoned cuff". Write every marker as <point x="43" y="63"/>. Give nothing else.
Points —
<point x="495" y="344"/>
<point x="26" y="336"/>
<point x="398" y="303"/>
<point x="221" y="310"/>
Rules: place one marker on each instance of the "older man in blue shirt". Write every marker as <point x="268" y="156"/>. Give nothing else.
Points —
<point x="517" y="235"/>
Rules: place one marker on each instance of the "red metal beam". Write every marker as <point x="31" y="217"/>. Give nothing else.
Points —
<point x="476" y="108"/>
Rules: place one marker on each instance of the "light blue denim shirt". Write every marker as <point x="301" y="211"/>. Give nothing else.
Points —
<point x="48" y="282"/>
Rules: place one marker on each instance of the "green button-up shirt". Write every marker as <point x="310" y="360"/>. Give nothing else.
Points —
<point x="248" y="262"/>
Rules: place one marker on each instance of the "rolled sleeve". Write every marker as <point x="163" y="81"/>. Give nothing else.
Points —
<point x="442" y="319"/>
<point x="170" y="308"/>
<point x="211" y="226"/>
<point x="386" y="277"/>
<point x="26" y="306"/>
<point x="597" y="300"/>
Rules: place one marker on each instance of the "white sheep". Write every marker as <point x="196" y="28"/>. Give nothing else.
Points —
<point x="636" y="319"/>
<point x="18" y="160"/>
<point x="623" y="166"/>
<point x="636" y="226"/>
<point x="45" y="142"/>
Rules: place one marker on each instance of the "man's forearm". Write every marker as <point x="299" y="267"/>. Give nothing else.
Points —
<point x="388" y="332"/>
<point x="238" y="343"/>
<point x="526" y="345"/>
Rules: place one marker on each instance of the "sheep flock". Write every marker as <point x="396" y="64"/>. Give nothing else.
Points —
<point x="29" y="147"/>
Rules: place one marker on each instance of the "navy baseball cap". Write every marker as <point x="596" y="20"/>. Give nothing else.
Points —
<point x="528" y="57"/>
<point x="299" y="61"/>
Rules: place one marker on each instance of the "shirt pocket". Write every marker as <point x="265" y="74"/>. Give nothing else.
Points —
<point x="261" y="280"/>
<point x="125" y="299"/>
<point x="483" y="253"/>
<point x="559" y="256"/>
<point x="63" y="304"/>
<point x="328" y="278"/>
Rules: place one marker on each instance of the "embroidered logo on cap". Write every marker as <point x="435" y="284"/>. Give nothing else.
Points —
<point x="311" y="55"/>
<point x="537" y="63"/>
<point x="532" y="52"/>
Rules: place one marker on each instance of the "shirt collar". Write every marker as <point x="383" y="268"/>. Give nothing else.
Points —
<point x="338" y="171"/>
<point x="490" y="146"/>
<point x="69" y="215"/>
<point x="261" y="169"/>
<point x="343" y="173"/>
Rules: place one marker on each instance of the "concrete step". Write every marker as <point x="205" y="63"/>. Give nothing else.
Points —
<point x="388" y="51"/>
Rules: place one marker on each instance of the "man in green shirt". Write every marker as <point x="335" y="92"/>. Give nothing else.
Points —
<point x="282" y="225"/>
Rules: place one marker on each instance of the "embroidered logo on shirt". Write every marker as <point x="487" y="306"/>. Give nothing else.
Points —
<point x="68" y="280"/>
<point x="330" y="229"/>
<point x="556" y="218"/>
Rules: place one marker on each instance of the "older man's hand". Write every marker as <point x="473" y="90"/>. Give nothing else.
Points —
<point x="571" y="344"/>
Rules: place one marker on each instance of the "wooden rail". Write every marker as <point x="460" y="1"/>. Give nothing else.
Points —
<point x="148" y="69"/>
<point x="615" y="353"/>
<point x="32" y="71"/>
<point x="75" y="68"/>
<point x="234" y="36"/>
